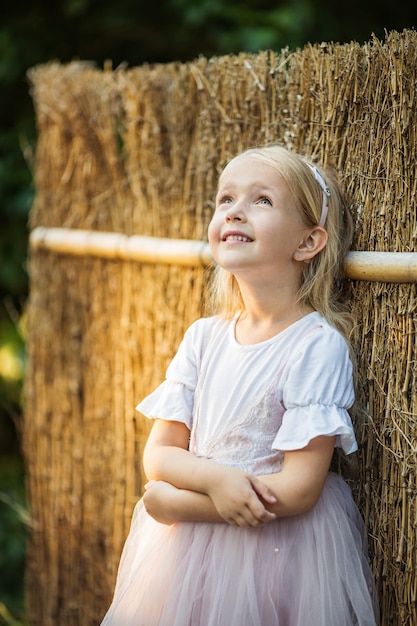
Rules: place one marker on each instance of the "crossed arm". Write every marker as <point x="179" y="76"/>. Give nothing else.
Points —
<point x="183" y="487"/>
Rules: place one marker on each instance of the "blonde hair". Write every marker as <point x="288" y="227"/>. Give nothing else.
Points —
<point x="321" y="279"/>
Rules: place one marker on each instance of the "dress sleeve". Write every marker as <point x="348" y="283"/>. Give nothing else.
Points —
<point x="317" y="393"/>
<point x="174" y="399"/>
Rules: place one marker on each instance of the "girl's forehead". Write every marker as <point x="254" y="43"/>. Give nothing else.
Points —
<point x="242" y="160"/>
<point x="250" y="167"/>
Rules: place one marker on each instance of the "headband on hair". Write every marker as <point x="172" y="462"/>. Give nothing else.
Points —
<point x="326" y="194"/>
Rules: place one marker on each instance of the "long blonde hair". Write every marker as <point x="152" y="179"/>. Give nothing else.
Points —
<point x="321" y="279"/>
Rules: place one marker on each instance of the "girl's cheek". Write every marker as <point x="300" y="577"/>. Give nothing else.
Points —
<point x="213" y="229"/>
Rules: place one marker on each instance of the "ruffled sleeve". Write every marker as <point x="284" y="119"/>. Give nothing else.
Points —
<point x="317" y="393"/>
<point x="174" y="399"/>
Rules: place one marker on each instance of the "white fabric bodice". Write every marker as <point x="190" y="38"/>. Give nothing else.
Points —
<point x="245" y="405"/>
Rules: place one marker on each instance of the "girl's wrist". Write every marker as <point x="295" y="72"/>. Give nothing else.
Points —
<point x="212" y="477"/>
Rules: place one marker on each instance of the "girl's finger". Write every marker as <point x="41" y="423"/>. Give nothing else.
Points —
<point x="262" y="490"/>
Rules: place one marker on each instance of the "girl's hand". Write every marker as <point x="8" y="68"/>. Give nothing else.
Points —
<point x="240" y="498"/>
<point x="157" y="500"/>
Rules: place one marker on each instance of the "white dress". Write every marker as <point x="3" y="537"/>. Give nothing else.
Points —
<point x="245" y="405"/>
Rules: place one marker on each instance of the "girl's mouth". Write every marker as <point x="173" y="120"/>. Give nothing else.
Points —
<point x="237" y="237"/>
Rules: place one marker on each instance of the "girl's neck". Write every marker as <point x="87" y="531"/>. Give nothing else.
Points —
<point x="267" y="316"/>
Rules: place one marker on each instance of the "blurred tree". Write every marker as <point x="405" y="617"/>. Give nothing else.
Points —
<point x="131" y="31"/>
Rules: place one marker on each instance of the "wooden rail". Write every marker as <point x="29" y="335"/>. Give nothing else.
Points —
<point x="390" y="267"/>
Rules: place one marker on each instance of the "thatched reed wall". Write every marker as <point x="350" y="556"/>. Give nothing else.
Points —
<point x="138" y="152"/>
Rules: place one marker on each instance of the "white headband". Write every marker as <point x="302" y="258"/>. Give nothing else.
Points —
<point x="326" y="194"/>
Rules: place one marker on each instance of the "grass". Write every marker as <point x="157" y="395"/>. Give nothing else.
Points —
<point x="14" y="519"/>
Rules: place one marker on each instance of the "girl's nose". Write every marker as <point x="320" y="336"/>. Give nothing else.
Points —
<point x="233" y="218"/>
<point x="235" y="214"/>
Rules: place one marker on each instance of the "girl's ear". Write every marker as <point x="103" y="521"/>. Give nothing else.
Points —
<point x="314" y="242"/>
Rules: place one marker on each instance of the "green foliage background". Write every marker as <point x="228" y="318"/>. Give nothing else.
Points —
<point x="131" y="32"/>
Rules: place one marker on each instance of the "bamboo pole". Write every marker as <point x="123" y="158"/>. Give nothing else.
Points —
<point x="389" y="267"/>
<point x="182" y="252"/>
<point x="386" y="267"/>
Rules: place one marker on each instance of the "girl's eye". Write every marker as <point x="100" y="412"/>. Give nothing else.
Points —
<point x="265" y="200"/>
<point x="225" y="200"/>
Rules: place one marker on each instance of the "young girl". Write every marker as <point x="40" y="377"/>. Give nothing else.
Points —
<point x="242" y="524"/>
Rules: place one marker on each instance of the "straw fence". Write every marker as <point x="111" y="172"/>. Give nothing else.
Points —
<point x="137" y="152"/>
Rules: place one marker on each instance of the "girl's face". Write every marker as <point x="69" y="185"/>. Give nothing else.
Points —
<point x="255" y="226"/>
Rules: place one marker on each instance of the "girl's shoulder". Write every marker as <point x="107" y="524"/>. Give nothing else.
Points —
<point x="320" y="338"/>
<point x="203" y="330"/>
<point x="211" y="324"/>
<point x="319" y="370"/>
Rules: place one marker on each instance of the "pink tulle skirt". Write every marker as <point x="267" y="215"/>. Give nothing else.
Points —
<point x="307" y="570"/>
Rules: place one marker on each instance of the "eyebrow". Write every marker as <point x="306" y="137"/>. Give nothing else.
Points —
<point x="257" y="185"/>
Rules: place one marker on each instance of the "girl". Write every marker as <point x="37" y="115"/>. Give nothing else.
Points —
<point x="242" y="524"/>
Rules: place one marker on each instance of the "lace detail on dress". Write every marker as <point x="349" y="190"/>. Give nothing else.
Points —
<point x="246" y="443"/>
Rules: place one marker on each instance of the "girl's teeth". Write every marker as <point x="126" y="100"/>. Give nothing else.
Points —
<point x="237" y="238"/>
